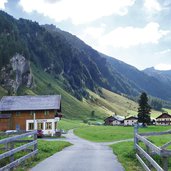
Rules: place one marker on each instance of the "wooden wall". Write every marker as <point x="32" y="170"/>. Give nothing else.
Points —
<point x="4" y="124"/>
<point x="19" y="118"/>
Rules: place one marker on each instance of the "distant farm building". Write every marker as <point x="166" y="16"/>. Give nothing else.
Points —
<point x="114" y="120"/>
<point x="163" y="119"/>
<point x="130" y="121"/>
<point x="30" y="112"/>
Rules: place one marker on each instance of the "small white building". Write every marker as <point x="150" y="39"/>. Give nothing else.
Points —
<point x="48" y="126"/>
<point x="130" y="121"/>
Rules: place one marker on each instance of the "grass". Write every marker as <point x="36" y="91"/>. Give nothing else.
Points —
<point x="46" y="149"/>
<point x="113" y="133"/>
<point x="126" y="155"/>
<point x="67" y="124"/>
<point x="104" y="133"/>
<point x="115" y="103"/>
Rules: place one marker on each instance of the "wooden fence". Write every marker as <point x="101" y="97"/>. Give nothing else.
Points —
<point x="151" y="149"/>
<point x="9" y="148"/>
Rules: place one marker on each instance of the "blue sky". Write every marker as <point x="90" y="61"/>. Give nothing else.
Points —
<point x="137" y="32"/>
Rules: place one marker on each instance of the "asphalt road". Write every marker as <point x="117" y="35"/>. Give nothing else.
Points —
<point x="81" y="156"/>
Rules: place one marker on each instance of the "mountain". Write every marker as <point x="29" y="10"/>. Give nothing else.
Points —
<point x="38" y="59"/>
<point x="164" y="76"/>
<point x="141" y="81"/>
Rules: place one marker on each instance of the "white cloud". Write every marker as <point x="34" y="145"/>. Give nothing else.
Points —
<point x="94" y="33"/>
<point x="164" y="52"/>
<point x="2" y="4"/>
<point x="163" y="67"/>
<point x="126" y="37"/>
<point x="79" y="11"/>
<point x="152" y="5"/>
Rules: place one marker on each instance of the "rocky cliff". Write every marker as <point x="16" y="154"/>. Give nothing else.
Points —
<point x="16" y="73"/>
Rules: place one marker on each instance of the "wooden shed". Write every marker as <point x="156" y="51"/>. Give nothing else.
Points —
<point x="30" y="112"/>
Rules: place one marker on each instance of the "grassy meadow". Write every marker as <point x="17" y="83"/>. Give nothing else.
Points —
<point x="67" y="124"/>
<point x="113" y="133"/>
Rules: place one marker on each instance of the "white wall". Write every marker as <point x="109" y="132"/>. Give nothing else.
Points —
<point x="44" y="121"/>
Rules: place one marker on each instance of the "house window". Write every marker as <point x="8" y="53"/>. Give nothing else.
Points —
<point x="39" y="126"/>
<point x="18" y="113"/>
<point x="48" y="125"/>
<point x="46" y="112"/>
<point x="30" y="126"/>
<point x="32" y="112"/>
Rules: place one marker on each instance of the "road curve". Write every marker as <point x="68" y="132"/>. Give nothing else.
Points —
<point x="83" y="155"/>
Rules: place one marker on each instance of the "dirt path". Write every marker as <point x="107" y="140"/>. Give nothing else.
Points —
<point x="83" y="155"/>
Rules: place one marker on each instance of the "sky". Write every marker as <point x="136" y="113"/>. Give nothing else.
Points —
<point x="137" y="32"/>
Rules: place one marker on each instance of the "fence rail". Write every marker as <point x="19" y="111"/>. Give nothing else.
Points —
<point x="10" y="149"/>
<point x="151" y="149"/>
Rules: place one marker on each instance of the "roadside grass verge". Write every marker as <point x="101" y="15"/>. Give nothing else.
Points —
<point x="126" y="155"/>
<point x="46" y="149"/>
<point x="113" y="133"/>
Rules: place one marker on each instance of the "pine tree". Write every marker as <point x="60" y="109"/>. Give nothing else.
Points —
<point x="144" y="110"/>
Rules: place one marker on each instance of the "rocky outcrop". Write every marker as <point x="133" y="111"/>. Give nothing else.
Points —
<point x="16" y="73"/>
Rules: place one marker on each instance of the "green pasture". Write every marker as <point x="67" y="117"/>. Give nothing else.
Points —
<point x="67" y="124"/>
<point x="113" y="133"/>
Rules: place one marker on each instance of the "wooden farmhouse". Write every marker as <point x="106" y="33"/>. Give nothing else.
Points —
<point x="114" y="120"/>
<point x="30" y="112"/>
<point x="130" y="121"/>
<point x="163" y="119"/>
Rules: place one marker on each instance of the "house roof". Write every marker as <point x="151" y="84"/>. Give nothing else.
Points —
<point x="115" y="117"/>
<point x="164" y="115"/>
<point x="20" y="103"/>
<point x="131" y="118"/>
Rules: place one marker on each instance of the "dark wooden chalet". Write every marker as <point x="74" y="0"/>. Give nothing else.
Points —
<point x="30" y="112"/>
<point x="130" y="121"/>
<point x="163" y="119"/>
<point x="114" y="120"/>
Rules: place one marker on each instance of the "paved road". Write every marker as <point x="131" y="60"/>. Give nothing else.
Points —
<point x="81" y="156"/>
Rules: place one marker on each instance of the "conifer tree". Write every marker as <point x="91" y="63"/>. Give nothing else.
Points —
<point x="144" y="110"/>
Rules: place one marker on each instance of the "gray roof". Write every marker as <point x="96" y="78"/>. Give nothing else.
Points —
<point x="19" y="103"/>
<point x="118" y="117"/>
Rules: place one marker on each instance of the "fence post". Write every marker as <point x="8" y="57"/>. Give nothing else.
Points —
<point x="135" y="132"/>
<point x="12" y="156"/>
<point x="165" y="163"/>
<point x="35" y="138"/>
